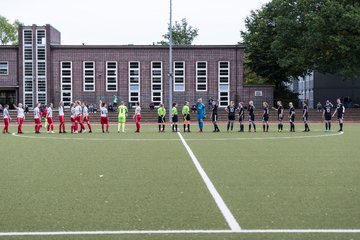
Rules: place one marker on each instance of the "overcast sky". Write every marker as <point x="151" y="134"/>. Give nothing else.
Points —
<point x="132" y="21"/>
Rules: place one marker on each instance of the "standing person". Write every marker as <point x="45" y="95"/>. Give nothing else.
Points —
<point x="86" y="116"/>
<point x="115" y="101"/>
<point x="201" y="113"/>
<point x="137" y="116"/>
<point x="214" y="115"/>
<point x="186" y="116"/>
<point x="49" y="117"/>
<point x="104" y="119"/>
<point x="72" y="117"/>
<point x="280" y="115"/>
<point x="37" y="118"/>
<point x="122" y="114"/>
<point x="161" y="117"/>
<point x="292" y="117"/>
<point x="327" y="115"/>
<point x="231" y="115"/>
<point x="78" y="117"/>
<point x="7" y="118"/>
<point x="251" y="111"/>
<point x="306" y="115"/>
<point x="241" y="116"/>
<point x="265" y="117"/>
<point x="175" y="118"/>
<point x="20" y="117"/>
<point x="61" y="117"/>
<point x="340" y="110"/>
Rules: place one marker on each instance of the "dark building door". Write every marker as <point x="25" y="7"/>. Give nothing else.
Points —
<point x="8" y="97"/>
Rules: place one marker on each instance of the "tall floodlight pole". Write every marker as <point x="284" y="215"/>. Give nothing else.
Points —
<point x="170" y="64"/>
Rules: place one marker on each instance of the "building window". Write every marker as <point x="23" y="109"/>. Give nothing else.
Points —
<point x="201" y="76"/>
<point x="179" y="76"/>
<point x="28" y="37"/>
<point x="89" y="76"/>
<point x="66" y="83"/>
<point x="28" y="100"/>
<point x="156" y="83"/>
<point x="40" y="37"/>
<point x="41" y="53"/>
<point x="111" y="76"/>
<point x="4" y="68"/>
<point x="41" y="69"/>
<point x="28" y="53"/>
<point x="134" y="82"/>
<point x="224" y="83"/>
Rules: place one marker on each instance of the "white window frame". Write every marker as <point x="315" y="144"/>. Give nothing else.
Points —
<point x="111" y="76"/>
<point x="30" y="78"/>
<point x="175" y="76"/>
<point x="6" y="63"/>
<point x="41" y="78"/>
<point x="67" y="84"/>
<point x="89" y="76"/>
<point x="201" y="76"/>
<point x="138" y="83"/>
<point x="156" y="103"/>
<point x="220" y="84"/>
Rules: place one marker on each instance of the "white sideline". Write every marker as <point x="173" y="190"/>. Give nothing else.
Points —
<point x="139" y="232"/>
<point x="230" y="219"/>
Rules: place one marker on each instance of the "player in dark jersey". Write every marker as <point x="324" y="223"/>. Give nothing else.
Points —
<point x="280" y="114"/>
<point x="251" y="111"/>
<point x="214" y="116"/>
<point x="241" y="116"/>
<point x="265" y="117"/>
<point x="292" y="117"/>
<point x="327" y="115"/>
<point x="306" y="115"/>
<point x="340" y="110"/>
<point x="231" y="115"/>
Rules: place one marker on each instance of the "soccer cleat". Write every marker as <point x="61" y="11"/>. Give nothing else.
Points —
<point x="90" y="131"/>
<point x="200" y="131"/>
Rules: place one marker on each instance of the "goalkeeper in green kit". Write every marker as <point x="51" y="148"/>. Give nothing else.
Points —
<point x="123" y="112"/>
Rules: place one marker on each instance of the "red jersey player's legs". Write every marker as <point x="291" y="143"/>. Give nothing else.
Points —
<point x="20" y="122"/>
<point x="6" y="125"/>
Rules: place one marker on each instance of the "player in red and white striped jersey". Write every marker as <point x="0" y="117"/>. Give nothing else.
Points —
<point x="50" y="120"/>
<point x="20" y="117"/>
<point x="7" y="118"/>
<point x="86" y="117"/>
<point x="37" y="118"/>
<point x="104" y="117"/>
<point x="61" y="117"/>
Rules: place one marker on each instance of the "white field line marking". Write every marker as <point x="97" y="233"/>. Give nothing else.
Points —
<point x="265" y="138"/>
<point x="139" y="232"/>
<point x="230" y="219"/>
<point x="175" y="139"/>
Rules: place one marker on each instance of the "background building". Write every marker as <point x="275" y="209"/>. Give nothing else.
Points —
<point x="319" y="87"/>
<point x="42" y="70"/>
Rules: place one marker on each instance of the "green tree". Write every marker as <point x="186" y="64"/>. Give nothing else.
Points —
<point x="182" y="34"/>
<point x="8" y="31"/>
<point x="290" y="38"/>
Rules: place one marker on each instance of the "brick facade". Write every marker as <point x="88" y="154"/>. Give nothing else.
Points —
<point x="145" y="55"/>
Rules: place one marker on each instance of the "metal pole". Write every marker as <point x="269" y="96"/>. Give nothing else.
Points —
<point x="170" y="64"/>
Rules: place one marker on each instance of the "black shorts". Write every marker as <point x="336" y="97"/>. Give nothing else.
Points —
<point x="161" y="119"/>
<point x="214" y="118"/>
<point x="231" y="117"/>
<point x="251" y="118"/>
<point x="280" y="118"/>
<point x="292" y="119"/>
<point x="175" y="118"/>
<point x="305" y="118"/>
<point x="327" y="117"/>
<point x="241" y="118"/>
<point x="340" y="117"/>
<point x="187" y="117"/>
<point x="266" y="118"/>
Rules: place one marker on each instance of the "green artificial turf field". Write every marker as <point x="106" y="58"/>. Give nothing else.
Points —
<point x="146" y="186"/>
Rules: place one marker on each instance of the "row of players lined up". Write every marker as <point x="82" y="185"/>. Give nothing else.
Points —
<point x="80" y="116"/>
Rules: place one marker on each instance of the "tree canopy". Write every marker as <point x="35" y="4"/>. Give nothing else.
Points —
<point x="290" y="38"/>
<point x="8" y="31"/>
<point x="182" y="34"/>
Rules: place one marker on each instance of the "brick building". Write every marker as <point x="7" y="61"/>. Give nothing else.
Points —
<point x="40" y="69"/>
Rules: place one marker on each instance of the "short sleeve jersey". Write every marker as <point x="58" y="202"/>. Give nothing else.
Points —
<point x="186" y="110"/>
<point x="231" y="110"/>
<point x="36" y="113"/>
<point x="61" y="111"/>
<point x="251" y="110"/>
<point x="174" y="111"/>
<point x="327" y="109"/>
<point x="20" y="112"/>
<point x="161" y="111"/>
<point x="122" y="110"/>
<point x="49" y="112"/>
<point x="103" y="112"/>
<point x="5" y="113"/>
<point x="85" y="111"/>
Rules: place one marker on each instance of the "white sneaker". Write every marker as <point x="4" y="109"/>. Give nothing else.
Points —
<point x="52" y="132"/>
<point x="84" y="131"/>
